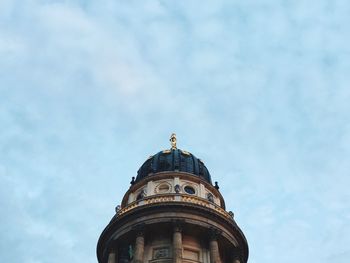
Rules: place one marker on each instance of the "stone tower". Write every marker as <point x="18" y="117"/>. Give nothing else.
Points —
<point x="172" y="214"/>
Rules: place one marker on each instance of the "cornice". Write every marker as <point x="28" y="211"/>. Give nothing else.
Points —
<point x="158" y="209"/>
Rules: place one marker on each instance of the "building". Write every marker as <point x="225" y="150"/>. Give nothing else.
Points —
<point x="172" y="213"/>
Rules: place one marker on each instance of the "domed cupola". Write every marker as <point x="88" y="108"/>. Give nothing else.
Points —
<point x="174" y="160"/>
<point x="172" y="213"/>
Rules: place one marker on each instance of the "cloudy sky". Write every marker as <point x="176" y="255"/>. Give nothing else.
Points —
<point x="258" y="89"/>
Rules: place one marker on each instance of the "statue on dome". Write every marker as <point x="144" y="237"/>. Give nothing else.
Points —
<point x="173" y="141"/>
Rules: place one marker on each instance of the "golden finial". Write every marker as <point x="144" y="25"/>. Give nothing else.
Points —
<point x="173" y="141"/>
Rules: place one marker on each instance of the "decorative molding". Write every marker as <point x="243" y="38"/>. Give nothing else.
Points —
<point x="161" y="198"/>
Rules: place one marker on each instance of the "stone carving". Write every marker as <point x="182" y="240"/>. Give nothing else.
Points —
<point x="173" y="141"/>
<point x="231" y="214"/>
<point x="217" y="186"/>
<point x="161" y="253"/>
<point x="177" y="188"/>
<point x="210" y="197"/>
<point x="141" y="195"/>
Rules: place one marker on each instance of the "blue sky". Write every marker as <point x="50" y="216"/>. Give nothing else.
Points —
<point x="257" y="89"/>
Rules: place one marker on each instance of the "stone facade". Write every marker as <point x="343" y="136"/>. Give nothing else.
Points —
<point x="168" y="184"/>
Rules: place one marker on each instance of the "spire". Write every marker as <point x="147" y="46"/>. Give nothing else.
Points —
<point x="173" y="141"/>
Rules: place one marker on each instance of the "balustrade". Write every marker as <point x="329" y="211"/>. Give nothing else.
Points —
<point x="174" y="198"/>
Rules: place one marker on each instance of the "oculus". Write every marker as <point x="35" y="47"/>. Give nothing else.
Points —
<point x="189" y="189"/>
<point x="163" y="188"/>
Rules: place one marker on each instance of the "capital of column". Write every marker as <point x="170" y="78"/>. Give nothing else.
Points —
<point x="112" y="256"/>
<point x="112" y="250"/>
<point x="139" y="229"/>
<point x="237" y="255"/>
<point x="214" y="233"/>
<point x="140" y="233"/>
<point x="177" y="225"/>
<point x="177" y="229"/>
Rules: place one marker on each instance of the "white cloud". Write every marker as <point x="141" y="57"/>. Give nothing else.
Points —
<point x="258" y="90"/>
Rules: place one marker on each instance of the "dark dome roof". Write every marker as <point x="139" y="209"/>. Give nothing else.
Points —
<point x="174" y="160"/>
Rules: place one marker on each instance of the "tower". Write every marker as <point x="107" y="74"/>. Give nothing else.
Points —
<point x="172" y="213"/>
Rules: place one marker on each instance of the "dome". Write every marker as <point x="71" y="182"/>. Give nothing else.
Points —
<point x="174" y="160"/>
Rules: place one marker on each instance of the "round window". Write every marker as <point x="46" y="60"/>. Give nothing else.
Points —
<point x="163" y="188"/>
<point x="190" y="190"/>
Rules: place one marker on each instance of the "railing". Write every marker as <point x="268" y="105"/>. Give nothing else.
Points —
<point x="154" y="199"/>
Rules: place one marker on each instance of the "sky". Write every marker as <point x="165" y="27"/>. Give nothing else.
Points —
<point x="259" y="90"/>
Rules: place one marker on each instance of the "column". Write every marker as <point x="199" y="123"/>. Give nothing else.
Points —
<point x="112" y="256"/>
<point x="177" y="245"/>
<point x="139" y="248"/>
<point x="236" y="255"/>
<point x="214" y="247"/>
